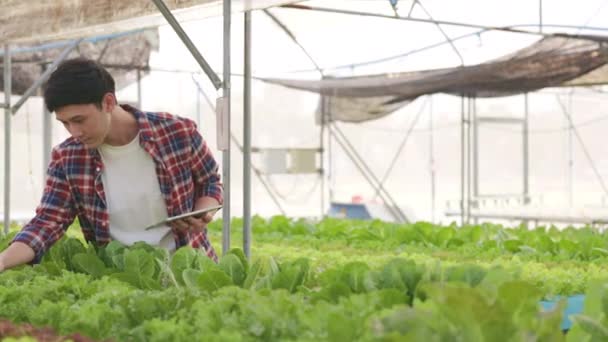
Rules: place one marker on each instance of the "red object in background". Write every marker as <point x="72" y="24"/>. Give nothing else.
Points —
<point x="357" y="199"/>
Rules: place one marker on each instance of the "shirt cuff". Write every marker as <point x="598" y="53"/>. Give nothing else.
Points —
<point x="34" y="241"/>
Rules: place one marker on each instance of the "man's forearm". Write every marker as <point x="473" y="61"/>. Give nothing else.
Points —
<point x="204" y="202"/>
<point x="16" y="254"/>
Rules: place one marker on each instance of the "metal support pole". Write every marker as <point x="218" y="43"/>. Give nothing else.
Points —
<point x="45" y="76"/>
<point x="418" y="20"/>
<point x="322" y="153"/>
<point x="198" y="108"/>
<point x="399" y="153"/>
<point x="578" y="137"/>
<point x="462" y="159"/>
<point x="7" y="137"/>
<point x="139" y="97"/>
<point x="47" y="138"/>
<point x="235" y="141"/>
<point x="475" y="158"/>
<point x="540" y="16"/>
<point x="369" y="174"/>
<point x="469" y="159"/>
<point x="432" y="161"/>
<point x="570" y="160"/>
<point x="330" y="168"/>
<point x="475" y="152"/>
<point x="226" y="153"/>
<point x="526" y="152"/>
<point x="190" y="46"/>
<point x="247" y="139"/>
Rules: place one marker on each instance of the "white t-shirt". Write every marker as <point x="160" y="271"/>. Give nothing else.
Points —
<point x="133" y="195"/>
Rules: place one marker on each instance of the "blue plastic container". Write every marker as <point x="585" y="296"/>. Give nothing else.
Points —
<point x="574" y="306"/>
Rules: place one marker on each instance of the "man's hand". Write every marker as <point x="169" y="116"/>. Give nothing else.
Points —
<point x="192" y="223"/>
<point x="16" y="254"/>
<point x="196" y="224"/>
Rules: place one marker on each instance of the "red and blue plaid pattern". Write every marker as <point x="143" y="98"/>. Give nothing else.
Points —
<point x="185" y="168"/>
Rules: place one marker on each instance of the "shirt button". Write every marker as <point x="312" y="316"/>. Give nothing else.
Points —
<point x="97" y="169"/>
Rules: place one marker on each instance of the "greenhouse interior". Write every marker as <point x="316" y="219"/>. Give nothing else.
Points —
<point x="313" y="170"/>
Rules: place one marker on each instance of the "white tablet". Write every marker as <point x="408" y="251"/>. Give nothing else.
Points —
<point x="196" y="214"/>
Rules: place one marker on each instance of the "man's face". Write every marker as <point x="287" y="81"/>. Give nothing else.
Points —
<point x="86" y="122"/>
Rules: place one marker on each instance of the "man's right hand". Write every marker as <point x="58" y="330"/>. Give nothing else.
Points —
<point x="18" y="253"/>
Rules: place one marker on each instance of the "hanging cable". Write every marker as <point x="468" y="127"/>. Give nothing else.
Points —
<point x="293" y="38"/>
<point x="441" y="43"/>
<point x="584" y="147"/>
<point x="595" y="13"/>
<point x="400" y="148"/>
<point x="445" y="35"/>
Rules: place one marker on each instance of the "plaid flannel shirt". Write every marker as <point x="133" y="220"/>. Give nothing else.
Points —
<point x="185" y="168"/>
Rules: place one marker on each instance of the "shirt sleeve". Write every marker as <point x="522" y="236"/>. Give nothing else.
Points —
<point x="204" y="168"/>
<point x="54" y="214"/>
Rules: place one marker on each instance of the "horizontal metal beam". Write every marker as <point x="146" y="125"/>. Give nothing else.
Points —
<point x="490" y="119"/>
<point x="440" y="22"/>
<point x="288" y="149"/>
<point x="45" y="76"/>
<point x="532" y="217"/>
<point x="60" y="44"/>
<point x="500" y="196"/>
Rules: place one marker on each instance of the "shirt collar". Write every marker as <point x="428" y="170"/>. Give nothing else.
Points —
<point x="146" y="133"/>
<point x="145" y="129"/>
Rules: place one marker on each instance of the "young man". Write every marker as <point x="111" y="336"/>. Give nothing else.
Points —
<point x="120" y="171"/>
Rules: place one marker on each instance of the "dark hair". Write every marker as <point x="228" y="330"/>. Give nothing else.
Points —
<point x="77" y="81"/>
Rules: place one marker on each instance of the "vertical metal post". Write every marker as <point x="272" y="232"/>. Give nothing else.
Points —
<point x="475" y="152"/>
<point x="526" y="152"/>
<point x="247" y="139"/>
<point x="198" y="103"/>
<point x="330" y="172"/>
<point x="139" y="98"/>
<point x="469" y="159"/>
<point x="7" y="137"/>
<point x="432" y="161"/>
<point x="570" y="156"/>
<point x="540" y="16"/>
<point x="226" y="153"/>
<point x="462" y="159"/>
<point x="198" y="108"/>
<point x="475" y="157"/>
<point x="322" y="155"/>
<point x="47" y="138"/>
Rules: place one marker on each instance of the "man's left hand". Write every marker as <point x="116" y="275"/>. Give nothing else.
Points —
<point x="192" y="223"/>
<point x="195" y="224"/>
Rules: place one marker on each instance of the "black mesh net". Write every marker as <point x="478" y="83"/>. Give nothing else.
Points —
<point x="122" y="55"/>
<point x="553" y="61"/>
